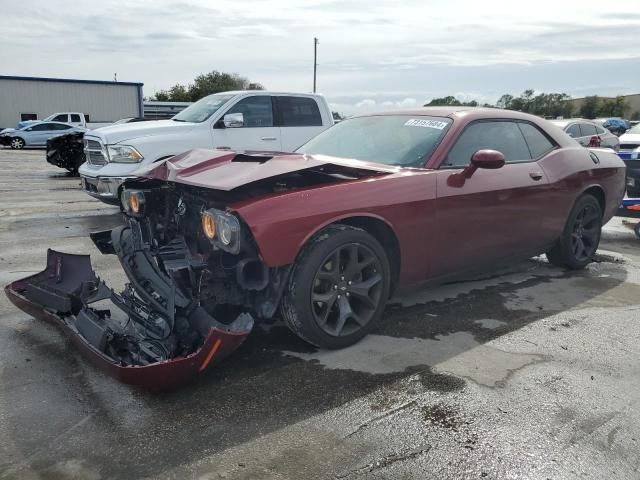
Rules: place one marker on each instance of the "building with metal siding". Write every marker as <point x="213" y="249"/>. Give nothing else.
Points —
<point x="22" y="97"/>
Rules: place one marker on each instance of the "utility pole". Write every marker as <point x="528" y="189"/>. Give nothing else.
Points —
<point x="315" y="62"/>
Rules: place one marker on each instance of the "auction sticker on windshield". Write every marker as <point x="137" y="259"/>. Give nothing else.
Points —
<point x="415" y="122"/>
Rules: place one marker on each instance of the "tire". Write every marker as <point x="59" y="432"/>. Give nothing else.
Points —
<point x="350" y="296"/>
<point x="581" y="235"/>
<point x="17" y="143"/>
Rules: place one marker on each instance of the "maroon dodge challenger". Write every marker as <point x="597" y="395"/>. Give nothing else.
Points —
<point x="215" y="240"/>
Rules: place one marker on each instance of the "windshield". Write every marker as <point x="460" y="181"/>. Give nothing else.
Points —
<point x="393" y="140"/>
<point x="202" y="109"/>
<point x="634" y="129"/>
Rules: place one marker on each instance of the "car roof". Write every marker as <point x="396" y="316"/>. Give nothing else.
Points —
<point x="451" y="112"/>
<point x="38" y="122"/>
<point x="566" y="121"/>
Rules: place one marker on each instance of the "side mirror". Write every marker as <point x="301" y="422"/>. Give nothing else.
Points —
<point x="233" y="120"/>
<point x="489" y="159"/>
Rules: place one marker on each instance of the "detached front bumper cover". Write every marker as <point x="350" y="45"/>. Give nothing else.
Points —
<point x="70" y="294"/>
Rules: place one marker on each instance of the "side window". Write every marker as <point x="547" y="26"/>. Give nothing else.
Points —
<point x="42" y="127"/>
<point x="600" y="130"/>
<point x="75" y="117"/>
<point x="587" y="129"/>
<point x="504" y="136"/>
<point x="298" y="112"/>
<point x="61" y="127"/>
<point x="256" y="111"/>
<point x="60" y="118"/>
<point x="574" y="131"/>
<point x="539" y="144"/>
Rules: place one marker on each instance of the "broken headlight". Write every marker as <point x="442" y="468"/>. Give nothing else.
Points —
<point x="222" y="229"/>
<point x="133" y="202"/>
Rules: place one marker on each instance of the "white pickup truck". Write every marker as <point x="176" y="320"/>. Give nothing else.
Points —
<point x="240" y="120"/>
<point x="77" y="119"/>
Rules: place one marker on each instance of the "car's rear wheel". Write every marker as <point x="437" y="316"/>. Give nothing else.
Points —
<point x="17" y="143"/>
<point x="581" y="235"/>
<point x="338" y="288"/>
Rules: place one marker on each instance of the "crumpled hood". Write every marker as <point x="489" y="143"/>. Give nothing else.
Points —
<point x="126" y="131"/>
<point x="225" y="170"/>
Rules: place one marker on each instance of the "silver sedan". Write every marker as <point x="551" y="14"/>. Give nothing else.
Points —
<point x="588" y="133"/>
<point x="36" y="134"/>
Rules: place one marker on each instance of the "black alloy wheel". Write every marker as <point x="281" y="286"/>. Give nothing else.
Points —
<point x="338" y="287"/>
<point x="586" y="233"/>
<point x="581" y="235"/>
<point x="346" y="289"/>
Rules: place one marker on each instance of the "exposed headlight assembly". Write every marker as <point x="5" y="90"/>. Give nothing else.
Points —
<point x="222" y="229"/>
<point x="133" y="202"/>
<point x="123" y="154"/>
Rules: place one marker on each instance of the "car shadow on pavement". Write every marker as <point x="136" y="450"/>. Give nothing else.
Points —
<point x="272" y="381"/>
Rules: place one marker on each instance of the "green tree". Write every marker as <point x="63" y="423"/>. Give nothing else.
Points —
<point x="590" y="107"/>
<point x="207" y="84"/>
<point x="613" y="107"/>
<point x="450" y="101"/>
<point x="505" y="101"/>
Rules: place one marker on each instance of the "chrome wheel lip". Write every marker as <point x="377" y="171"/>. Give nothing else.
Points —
<point x="346" y="296"/>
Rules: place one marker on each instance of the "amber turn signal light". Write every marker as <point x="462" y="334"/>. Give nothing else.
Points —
<point x="134" y="203"/>
<point x="208" y="225"/>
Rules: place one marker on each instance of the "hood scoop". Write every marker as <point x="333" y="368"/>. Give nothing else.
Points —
<point x="251" y="158"/>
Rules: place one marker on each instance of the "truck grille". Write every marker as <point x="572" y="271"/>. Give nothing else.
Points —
<point x="94" y="152"/>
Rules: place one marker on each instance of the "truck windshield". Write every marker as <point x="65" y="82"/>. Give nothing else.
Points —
<point x="401" y="140"/>
<point x="202" y="109"/>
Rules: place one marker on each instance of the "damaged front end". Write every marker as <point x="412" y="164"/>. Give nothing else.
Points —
<point x="66" y="151"/>
<point x="197" y="282"/>
<point x="157" y="334"/>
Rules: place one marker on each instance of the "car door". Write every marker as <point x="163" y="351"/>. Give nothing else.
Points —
<point x="38" y="134"/>
<point x="573" y="130"/>
<point x="299" y="119"/>
<point x="258" y="130"/>
<point x="494" y="215"/>
<point x="589" y="136"/>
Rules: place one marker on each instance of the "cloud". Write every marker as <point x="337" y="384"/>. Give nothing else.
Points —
<point x="386" y="52"/>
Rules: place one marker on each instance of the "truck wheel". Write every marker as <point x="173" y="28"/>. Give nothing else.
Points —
<point x="581" y="235"/>
<point x="338" y="287"/>
<point x="17" y="143"/>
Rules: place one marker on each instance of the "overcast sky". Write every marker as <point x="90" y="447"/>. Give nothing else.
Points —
<point x="372" y="54"/>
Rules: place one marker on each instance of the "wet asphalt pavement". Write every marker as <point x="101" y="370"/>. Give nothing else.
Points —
<point x="531" y="373"/>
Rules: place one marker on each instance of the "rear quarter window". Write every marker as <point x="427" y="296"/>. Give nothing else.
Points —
<point x="298" y="112"/>
<point x="539" y="144"/>
<point x="587" y="129"/>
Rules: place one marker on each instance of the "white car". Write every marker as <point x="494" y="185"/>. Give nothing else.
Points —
<point x="240" y="120"/>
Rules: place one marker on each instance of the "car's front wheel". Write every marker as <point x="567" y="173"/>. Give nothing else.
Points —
<point x="581" y="235"/>
<point x="338" y="288"/>
<point x="17" y="143"/>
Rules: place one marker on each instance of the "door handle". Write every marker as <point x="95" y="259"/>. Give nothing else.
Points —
<point x="535" y="175"/>
<point x="268" y="139"/>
